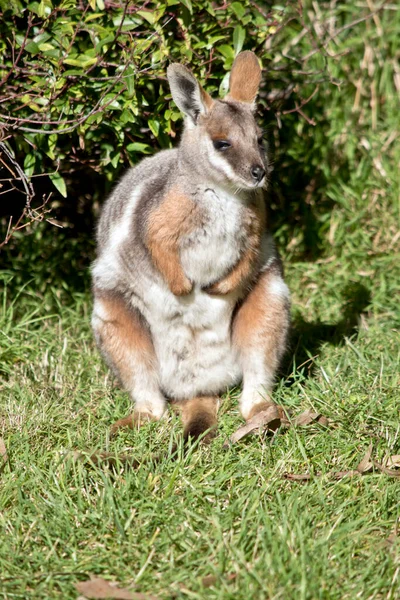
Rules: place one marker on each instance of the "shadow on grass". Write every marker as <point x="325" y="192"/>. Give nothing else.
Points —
<point x="307" y="338"/>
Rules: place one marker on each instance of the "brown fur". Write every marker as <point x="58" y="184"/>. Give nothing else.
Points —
<point x="262" y="321"/>
<point x="206" y="98"/>
<point x="172" y="219"/>
<point x="234" y="122"/>
<point x="121" y="335"/>
<point x="245" y="78"/>
<point x="198" y="415"/>
<point x="242" y="271"/>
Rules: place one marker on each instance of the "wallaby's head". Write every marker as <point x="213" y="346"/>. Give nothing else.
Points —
<point x="222" y="139"/>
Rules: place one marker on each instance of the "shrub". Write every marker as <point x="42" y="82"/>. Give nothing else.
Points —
<point x="85" y="95"/>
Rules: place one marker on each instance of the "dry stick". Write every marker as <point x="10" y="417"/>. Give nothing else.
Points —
<point x="303" y="103"/>
<point x="17" y="227"/>
<point x="344" y="28"/>
<point x="15" y="62"/>
<point x="78" y="122"/>
<point x="29" y="192"/>
<point x="27" y="184"/>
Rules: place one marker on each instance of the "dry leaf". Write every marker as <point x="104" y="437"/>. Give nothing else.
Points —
<point x="269" y="418"/>
<point x="99" y="588"/>
<point x="3" y="454"/>
<point x="390" y="472"/>
<point x="210" y="580"/>
<point x="3" y="450"/>
<point x="298" y="476"/>
<point x="365" y="465"/>
<point x="393" y="461"/>
<point x="309" y="416"/>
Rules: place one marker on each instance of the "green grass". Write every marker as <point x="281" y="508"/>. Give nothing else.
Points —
<point x="211" y="511"/>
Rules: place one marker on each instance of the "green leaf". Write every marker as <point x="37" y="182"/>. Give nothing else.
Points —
<point x="224" y="86"/>
<point x="238" y="9"/>
<point x="226" y="51"/>
<point x="138" y="147"/>
<point x="147" y="16"/>
<point x="29" y="164"/>
<point x="32" y="48"/>
<point x="59" y="183"/>
<point x="187" y="4"/>
<point x="81" y="61"/>
<point x="44" y="47"/>
<point x="130" y="81"/>
<point x="239" y="35"/>
<point x="154" y="126"/>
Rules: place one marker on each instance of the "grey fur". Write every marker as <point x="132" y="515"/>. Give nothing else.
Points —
<point x="191" y="334"/>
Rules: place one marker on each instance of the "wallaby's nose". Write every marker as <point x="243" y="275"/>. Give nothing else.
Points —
<point x="257" y="172"/>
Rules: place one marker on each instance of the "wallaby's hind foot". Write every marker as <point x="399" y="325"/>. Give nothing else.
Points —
<point x="198" y="416"/>
<point x="133" y="421"/>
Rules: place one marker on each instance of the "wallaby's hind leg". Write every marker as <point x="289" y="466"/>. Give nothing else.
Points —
<point x="260" y="331"/>
<point x="125" y="342"/>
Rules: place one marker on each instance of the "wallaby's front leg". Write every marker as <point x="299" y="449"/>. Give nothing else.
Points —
<point x="167" y="224"/>
<point x="260" y="331"/>
<point x="125" y="342"/>
<point x="254" y="224"/>
<point x="241" y="272"/>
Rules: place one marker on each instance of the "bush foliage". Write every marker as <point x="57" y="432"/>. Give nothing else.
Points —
<point x="85" y="95"/>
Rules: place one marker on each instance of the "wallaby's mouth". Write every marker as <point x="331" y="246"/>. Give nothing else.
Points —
<point x="251" y="184"/>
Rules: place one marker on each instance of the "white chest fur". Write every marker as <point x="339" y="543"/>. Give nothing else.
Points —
<point x="214" y="247"/>
<point x="192" y="334"/>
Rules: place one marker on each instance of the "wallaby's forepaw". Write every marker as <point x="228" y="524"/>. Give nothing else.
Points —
<point x="219" y="288"/>
<point x="181" y="287"/>
<point x="133" y="421"/>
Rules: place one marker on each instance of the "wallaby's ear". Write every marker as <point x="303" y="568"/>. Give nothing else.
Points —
<point x="188" y="95"/>
<point x="245" y="77"/>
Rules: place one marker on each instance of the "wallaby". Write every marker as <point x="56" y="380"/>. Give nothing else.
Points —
<point x="189" y="296"/>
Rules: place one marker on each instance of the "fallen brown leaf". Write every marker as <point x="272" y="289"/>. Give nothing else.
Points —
<point x="99" y="588"/>
<point x="390" y="472"/>
<point x="268" y="419"/>
<point x="309" y="416"/>
<point x="210" y="580"/>
<point x="3" y="454"/>
<point x="365" y="465"/>
<point x="393" y="461"/>
<point x="299" y="476"/>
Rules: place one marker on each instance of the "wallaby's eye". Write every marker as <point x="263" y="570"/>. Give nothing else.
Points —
<point x="260" y="140"/>
<point x="221" y="144"/>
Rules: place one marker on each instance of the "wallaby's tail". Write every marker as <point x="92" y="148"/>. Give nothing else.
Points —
<point x="198" y="415"/>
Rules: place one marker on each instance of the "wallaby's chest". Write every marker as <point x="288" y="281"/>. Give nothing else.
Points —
<point x="215" y="246"/>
